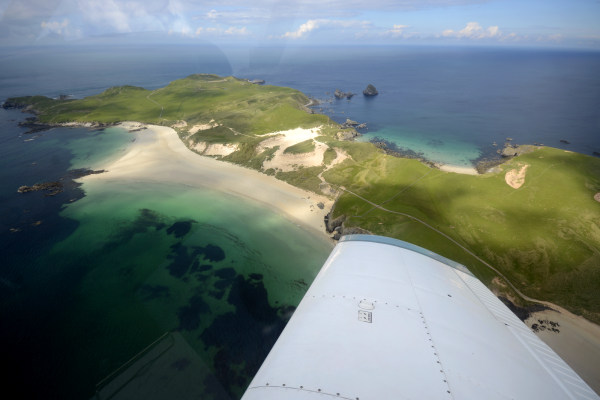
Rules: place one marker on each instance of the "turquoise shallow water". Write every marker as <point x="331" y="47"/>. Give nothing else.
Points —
<point x="162" y="257"/>
<point x="442" y="150"/>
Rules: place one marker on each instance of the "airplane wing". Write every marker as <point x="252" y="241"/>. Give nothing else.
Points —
<point x="385" y="319"/>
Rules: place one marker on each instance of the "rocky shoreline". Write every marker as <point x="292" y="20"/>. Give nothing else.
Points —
<point x="55" y="187"/>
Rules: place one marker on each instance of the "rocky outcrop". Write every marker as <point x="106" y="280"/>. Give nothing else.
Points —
<point x="51" y="188"/>
<point x="56" y="187"/>
<point x="512" y="150"/>
<point x="332" y="224"/>
<point x="340" y="95"/>
<point x="353" y="124"/>
<point x="347" y="134"/>
<point x="370" y="91"/>
<point x="342" y="231"/>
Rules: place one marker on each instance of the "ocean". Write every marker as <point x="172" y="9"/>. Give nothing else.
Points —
<point x="91" y="276"/>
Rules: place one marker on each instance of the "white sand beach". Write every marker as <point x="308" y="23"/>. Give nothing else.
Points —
<point x="157" y="154"/>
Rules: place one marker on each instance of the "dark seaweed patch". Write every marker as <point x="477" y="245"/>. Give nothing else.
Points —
<point x="200" y="268"/>
<point x="190" y="315"/>
<point x="217" y="294"/>
<point x="223" y="284"/>
<point x="226" y="273"/>
<point x="260" y="324"/>
<point x="211" y="252"/>
<point x="182" y="260"/>
<point x="145" y="220"/>
<point x="150" y="292"/>
<point x="180" y="228"/>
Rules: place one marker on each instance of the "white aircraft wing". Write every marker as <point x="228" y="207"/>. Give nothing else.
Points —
<point x="385" y="319"/>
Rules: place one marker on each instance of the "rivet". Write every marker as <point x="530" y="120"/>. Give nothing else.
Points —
<point x="283" y="384"/>
<point x="337" y="394"/>
<point x="449" y="295"/>
<point x="448" y="391"/>
<point x="319" y="390"/>
<point x="301" y="387"/>
<point x="267" y="383"/>
<point x="438" y="362"/>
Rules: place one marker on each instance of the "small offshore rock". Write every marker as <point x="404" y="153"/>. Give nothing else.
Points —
<point x="370" y="91"/>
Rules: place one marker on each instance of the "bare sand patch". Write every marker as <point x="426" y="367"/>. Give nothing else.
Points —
<point x="179" y="124"/>
<point x="458" y="170"/>
<point x="158" y="155"/>
<point x="203" y="127"/>
<point x="290" y="162"/>
<point x="218" y="149"/>
<point x="577" y="343"/>
<point x="516" y="178"/>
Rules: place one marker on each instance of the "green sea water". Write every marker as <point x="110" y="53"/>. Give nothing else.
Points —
<point x="147" y="258"/>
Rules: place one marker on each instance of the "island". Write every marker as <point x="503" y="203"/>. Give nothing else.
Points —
<point x="529" y="228"/>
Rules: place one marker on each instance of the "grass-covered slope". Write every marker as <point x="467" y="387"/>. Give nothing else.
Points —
<point x="235" y="103"/>
<point x="544" y="236"/>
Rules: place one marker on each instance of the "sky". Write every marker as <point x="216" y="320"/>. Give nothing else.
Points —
<point x="546" y="23"/>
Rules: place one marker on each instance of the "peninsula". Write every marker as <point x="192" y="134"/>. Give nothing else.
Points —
<point x="529" y="229"/>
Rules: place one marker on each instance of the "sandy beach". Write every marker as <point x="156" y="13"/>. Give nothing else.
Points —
<point x="457" y="169"/>
<point x="157" y="154"/>
<point x="577" y="342"/>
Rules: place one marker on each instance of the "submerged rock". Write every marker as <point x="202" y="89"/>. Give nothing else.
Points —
<point x="340" y="95"/>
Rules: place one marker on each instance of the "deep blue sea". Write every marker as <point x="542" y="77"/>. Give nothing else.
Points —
<point x="91" y="276"/>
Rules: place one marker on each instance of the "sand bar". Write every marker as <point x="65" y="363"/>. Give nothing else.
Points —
<point x="158" y="155"/>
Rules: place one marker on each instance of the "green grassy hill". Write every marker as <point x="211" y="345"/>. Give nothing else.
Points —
<point x="544" y="237"/>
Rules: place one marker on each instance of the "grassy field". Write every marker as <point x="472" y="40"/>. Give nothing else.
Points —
<point x="544" y="236"/>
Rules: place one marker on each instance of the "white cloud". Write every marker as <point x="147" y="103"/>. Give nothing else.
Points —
<point x="314" y="24"/>
<point x="231" y="31"/>
<point x="55" y="26"/>
<point x="212" y="14"/>
<point x="305" y="28"/>
<point x="473" y="30"/>
<point x="396" y="31"/>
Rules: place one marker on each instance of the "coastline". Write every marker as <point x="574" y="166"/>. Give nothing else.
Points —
<point x="158" y="155"/>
